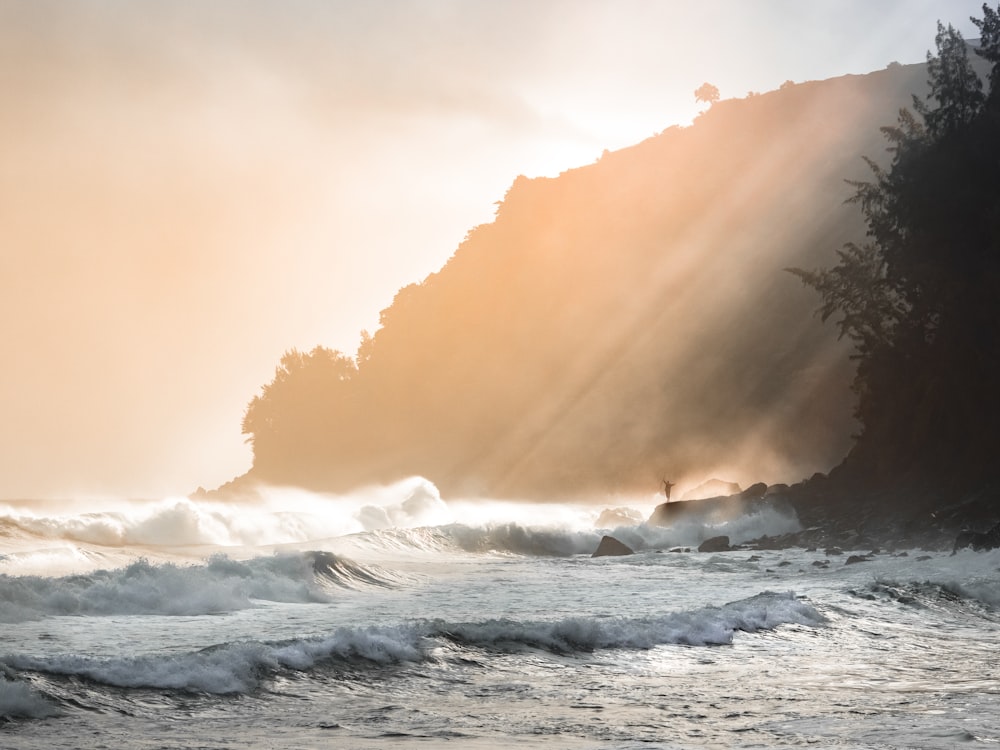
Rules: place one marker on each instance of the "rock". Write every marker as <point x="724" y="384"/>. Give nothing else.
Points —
<point x="829" y="551"/>
<point x="856" y="559"/>
<point x="610" y="546"/>
<point x="612" y="518"/>
<point x="707" y="510"/>
<point x="715" y="544"/>
<point x="979" y="542"/>
<point x="754" y="491"/>
<point x="719" y="508"/>
<point x="712" y="488"/>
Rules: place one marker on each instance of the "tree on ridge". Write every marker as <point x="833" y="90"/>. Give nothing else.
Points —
<point x="706" y="93"/>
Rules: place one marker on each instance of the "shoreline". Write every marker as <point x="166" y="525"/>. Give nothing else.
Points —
<point x="835" y="514"/>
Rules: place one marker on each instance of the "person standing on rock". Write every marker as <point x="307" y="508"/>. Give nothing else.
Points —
<point x="667" y="486"/>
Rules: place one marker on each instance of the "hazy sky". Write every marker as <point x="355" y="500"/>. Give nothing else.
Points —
<point x="188" y="189"/>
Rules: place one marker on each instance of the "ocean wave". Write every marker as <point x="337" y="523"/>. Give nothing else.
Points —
<point x="709" y="626"/>
<point x="243" y="666"/>
<point x="274" y="515"/>
<point x="221" y="584"/>
<point x="18" y="700"/>
<point x="424" y="539"/>
<point x="523" y="539"/>
<point x="406" y="517"/>
<point x="939" y="594"/>
<point x="234" y="667"/>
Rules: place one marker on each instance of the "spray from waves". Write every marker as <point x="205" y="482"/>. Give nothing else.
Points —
<point x="520" y="539"/>
<point x="18" y="700"/>
<point x="694" y="528"/>
<point x="274" y="516"/>
<point x="407" y="516"/>
<point x="220" y="585"/>
<point x="243" y="666"/>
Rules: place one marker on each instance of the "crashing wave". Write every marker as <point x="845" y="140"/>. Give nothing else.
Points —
<point x="276" y="516"/>
<point x="522" y="539"/>
<point x="221" y="584"/>
<point x="18" y="700"/>
<point x="243" y="666"/>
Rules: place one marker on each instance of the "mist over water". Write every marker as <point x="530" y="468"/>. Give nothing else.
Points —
<point x="63" y="537"/>
<point x="271" y="516"/>
<point x="393" y="613"/>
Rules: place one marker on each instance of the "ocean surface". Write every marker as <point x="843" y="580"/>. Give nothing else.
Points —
<point x="393" y="618"/>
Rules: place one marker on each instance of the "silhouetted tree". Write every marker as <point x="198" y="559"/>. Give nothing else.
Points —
<point x="954" y="85"/>
<point x="706" y="93"/>
<point x="989" y="48"/>
<point x="921" y="299"/>
<point x="290" y="424"/>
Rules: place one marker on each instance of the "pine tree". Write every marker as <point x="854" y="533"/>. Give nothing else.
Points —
<point x="921" y="298"/>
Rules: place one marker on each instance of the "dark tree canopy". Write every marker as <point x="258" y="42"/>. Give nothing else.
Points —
<point x="921" y="298"/>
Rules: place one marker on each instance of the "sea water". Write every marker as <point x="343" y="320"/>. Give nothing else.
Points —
<point x="393" y="618"/>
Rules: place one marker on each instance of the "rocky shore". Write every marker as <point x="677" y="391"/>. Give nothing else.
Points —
<point x="837" y="515"/>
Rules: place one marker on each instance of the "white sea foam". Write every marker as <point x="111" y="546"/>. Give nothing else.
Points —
<point x="702" y="627"/>
<point x="407" y="517"/>
<point x="234" y="667"/>
<point x="277" y="516"/>
<point x="241" y="667"/>
<point x="568" y="540"/>
<point x="18" y="700"/>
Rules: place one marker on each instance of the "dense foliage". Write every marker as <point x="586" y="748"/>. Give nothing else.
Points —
<point x="921" y="298"/>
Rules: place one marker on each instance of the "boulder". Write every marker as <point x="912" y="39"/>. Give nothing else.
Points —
<point x="715" y="544"/>
<point x="610" y="546"/>
<point x="856" y="559"/>
<point x="712" y="488"/>
<point x="719" y="508"/>
<point x="978" y="541"/>
<point x="709" y="509"/>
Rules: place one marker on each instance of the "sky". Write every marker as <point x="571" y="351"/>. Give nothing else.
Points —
<point x="189" y="189"/>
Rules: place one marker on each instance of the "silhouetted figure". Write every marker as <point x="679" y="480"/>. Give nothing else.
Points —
<point x="667" y="486"/>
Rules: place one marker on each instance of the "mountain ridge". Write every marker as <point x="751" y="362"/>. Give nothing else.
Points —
<point x="626" y="319"/>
